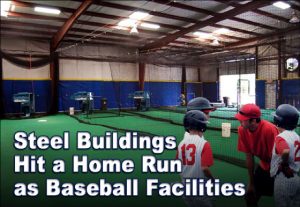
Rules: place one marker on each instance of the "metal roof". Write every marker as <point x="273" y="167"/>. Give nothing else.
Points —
<point x="248" y="22"/>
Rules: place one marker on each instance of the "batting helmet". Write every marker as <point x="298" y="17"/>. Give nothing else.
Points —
<point x="286" y="116"/>
<point x="195" y="120"/>
<point x="199" y="103"/>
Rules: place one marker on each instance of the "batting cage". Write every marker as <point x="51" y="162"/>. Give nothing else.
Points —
<point x="159" y="108"/>
<point x="110" y="69"/>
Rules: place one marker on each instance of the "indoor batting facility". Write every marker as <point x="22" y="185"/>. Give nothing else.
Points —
<point x="133" y="66"/>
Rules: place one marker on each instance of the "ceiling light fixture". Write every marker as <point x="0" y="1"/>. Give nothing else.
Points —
<point x="46" y="10"/>
<point x="203" y="35"/>
<point x="281" y="5"/>
<point x="134" y="30"/>
<point x="127" y="23"/>
<point x="138" y="15"/>
<point x="221" y="31"/>
<point x="120" y="27"/>
<point x="5" y="6"/>
<point x="294" y="19"/>
<point x="134" y="20"/>
<point x="215" y="42"/>
<point x="151" y="26"/>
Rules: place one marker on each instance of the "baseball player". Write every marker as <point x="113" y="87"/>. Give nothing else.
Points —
<point x="196" y="154"/>
<point x="285" y="162"/>
<point x="202" y="104"/>
<point x="256" y="138"/>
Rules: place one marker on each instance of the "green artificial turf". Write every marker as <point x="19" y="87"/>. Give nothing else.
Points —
<point x="56" y="125"/>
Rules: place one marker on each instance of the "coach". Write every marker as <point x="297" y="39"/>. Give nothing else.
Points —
<point x="256" y="138"/>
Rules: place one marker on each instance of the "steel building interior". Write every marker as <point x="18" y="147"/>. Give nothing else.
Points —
<point x="97" y="66"/>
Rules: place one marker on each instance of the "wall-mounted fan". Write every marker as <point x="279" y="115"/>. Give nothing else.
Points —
<point x="291" y="64"/>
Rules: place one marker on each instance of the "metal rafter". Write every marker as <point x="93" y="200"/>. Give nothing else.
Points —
<point x="131" y="8"/>
<point x="240" y="45"/>
<point x="89" y="31"/>
<point x="90" y="13"/>
<point x="207" y="12"/>
<point x="101" y="15"/>
<point x="31" y="37"/>
<point x="217" y="18"/>
<point x="58" y="37"/>
<point x="60" y="19"/>
<point x="264" y="36"/>
<point x="86" y="31"/>
<point x="257" y="11"/>
<point x="236" y="29"/>
<point x="7" y="29"/>
<point x="47" y="33"/>
<point x="253" y="23"/>
<point x="186" y="45"/>
<point x="188" y="20"/>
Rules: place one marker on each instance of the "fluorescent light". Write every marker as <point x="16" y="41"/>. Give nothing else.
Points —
<point x="204" y="35"/>
<point x="151" y="26"/>
<point x="281" y="5"/>
<point x="221" y="31"/>
<point x="5" y="6"/>
<point x="127" y="23"/>
<point x="138" y="15"/>
<point x="4" y="13"/>
<point x="232" y="61"/>
<point x="120" y="28"/>
<point x="238" y="60"/>
<point x="46" y="10"/>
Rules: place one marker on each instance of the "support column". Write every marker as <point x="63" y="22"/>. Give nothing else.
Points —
<point x="218" y="74"/>
<point x="218" y="82"/>
<point x="183" y="80"/>
<point x="199" y="74"/>
<point x="54" y="76"/>
<point x="282" y="57"/>
<point x="239" y="85"/>
<point x="200" y="80"/>
<point x="256" y="62"/>
<point x="1" y="89"/>
<point x="279" y="74"/>
<point x="141" y="76"/>
<point x="183" y="98"/>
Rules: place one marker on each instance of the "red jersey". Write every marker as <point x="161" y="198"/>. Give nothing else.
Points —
<point x="280" y="145"/>
<point x="195" y="153"/>
<point x="207" y="158"/>
<point x="259" y="143"/>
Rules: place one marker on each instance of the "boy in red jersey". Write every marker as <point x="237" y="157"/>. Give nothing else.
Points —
<point x="196" y="155"/>
<point x="256" y="138"/>
<point x="285" y="164"/>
